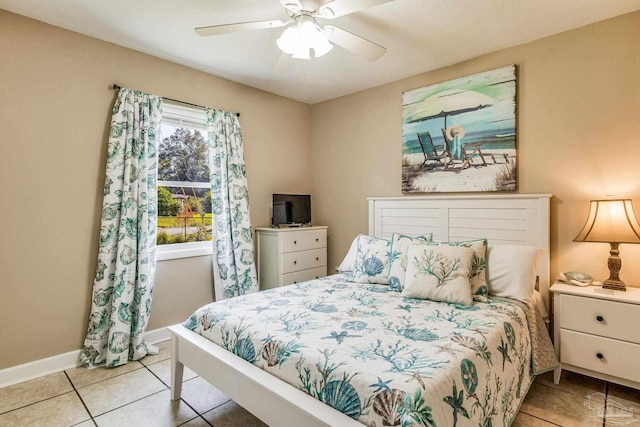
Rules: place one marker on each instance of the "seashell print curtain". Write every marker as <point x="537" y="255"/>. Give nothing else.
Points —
<point x="123" y="285"/>
<point x="233" y="265"/>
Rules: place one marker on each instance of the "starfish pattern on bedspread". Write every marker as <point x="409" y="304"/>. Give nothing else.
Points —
<point x="380" y="358"/>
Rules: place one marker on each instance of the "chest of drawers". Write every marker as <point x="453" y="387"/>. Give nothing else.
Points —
<point x="290" y="255"/>
<point x="598" y="334"/>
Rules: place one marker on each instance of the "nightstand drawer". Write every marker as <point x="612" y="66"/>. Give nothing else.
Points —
<point x="303" y="276"/>
<point x="620" y="359"/>
<point x="304" y="240"/>
<point x="605" y="318"/>
<point x="303" y="260"/>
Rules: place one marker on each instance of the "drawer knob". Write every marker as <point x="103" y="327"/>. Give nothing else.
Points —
<point x="317" y="240"/>
<point x="317" y="259"/>
<point x="295" y="262"/>
<point x="295" y="242"/>
<point x="599" y="355"/>
<point x="599" y="318"/>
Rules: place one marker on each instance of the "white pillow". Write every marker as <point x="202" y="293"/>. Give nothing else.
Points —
<point x="349" y="261"/>
<point x="439" y="273"/>
<point x="511" y="271"/>
<point x="398" y="258"/>
<point x="372" y="260"/>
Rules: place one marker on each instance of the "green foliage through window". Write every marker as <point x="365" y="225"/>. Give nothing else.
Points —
<point x="184" y="210"/>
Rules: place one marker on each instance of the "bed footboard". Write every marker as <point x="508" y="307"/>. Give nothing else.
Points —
<point x="272" y="400"/>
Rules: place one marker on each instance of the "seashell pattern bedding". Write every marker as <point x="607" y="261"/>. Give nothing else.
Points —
<point x="383" y="359"/>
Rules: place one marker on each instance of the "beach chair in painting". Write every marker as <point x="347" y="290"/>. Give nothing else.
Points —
<point x="463" y="157"/>
<point x="467" y="152"/>
<point x="483" y="155"/>
<point x="430" y="153"/>
<point x="470" y="150"/>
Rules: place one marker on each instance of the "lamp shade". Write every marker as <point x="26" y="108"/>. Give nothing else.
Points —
<point x="610" y="221"/>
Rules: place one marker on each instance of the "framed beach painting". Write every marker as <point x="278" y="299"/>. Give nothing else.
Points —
<point x="460" y="135"/>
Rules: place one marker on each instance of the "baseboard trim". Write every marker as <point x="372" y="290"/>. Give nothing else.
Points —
<point x="39" y="368"/>
<point x="157" y="335"/>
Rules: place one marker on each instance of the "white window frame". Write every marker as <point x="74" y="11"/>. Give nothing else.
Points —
<point x="191" y="117"/>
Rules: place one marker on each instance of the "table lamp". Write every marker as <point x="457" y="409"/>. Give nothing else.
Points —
<point x="613" y="222"/>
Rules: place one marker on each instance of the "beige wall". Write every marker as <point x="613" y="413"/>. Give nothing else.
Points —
<point x="54" y="115"/>
<point x="578" y="138"/>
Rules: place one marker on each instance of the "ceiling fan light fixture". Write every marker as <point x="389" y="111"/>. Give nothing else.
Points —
<point x="303" y="35"/>
<point x="322" y="47"/>
<point x="288" y="41"/>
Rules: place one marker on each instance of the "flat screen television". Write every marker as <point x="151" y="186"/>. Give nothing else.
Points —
<point x="291" y="209"/>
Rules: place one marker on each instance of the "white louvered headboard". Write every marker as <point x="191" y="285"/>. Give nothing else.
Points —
<point x="501" y="219"/>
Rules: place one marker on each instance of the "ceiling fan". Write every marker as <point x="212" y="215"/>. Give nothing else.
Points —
<point x="303" y="33"/>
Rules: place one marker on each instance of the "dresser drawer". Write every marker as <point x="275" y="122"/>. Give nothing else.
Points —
<point x="620" y="359"/>
<point x="304" y="240"/>
<point x="304" y="275"/>
<point x="303" y="260"/>
<point x="605" y="318"/>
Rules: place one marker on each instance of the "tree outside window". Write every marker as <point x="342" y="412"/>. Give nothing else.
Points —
<point x="184" y="195"/>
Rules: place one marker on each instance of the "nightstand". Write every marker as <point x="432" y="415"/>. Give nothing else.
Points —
<point x="290" y="255"/>
<point x="597" y="332"/>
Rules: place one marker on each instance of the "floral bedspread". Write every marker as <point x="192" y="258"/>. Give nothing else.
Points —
<point x="383" y="359"/>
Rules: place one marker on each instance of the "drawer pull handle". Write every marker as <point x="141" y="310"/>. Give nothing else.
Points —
<point x="599" y="355"/>
<point x="317" y="259"/>
<point x="317" y="240"/>
<point x="295" y="242"/>
<point x="295" y="262"/>
<point x="599" y="318"/>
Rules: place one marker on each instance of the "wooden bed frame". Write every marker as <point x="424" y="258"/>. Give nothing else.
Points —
<point x="513" y="219"/>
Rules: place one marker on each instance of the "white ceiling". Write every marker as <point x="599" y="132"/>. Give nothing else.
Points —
<point x="420" y="35"/>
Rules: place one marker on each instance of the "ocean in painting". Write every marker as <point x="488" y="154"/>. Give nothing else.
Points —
<point x="505" y="139"/>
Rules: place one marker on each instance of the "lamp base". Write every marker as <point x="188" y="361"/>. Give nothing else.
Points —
<point x="616" y="285"/>
<point x="615" y="264"/>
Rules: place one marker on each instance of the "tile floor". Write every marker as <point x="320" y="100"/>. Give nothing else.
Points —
<point x="76" y="398"/>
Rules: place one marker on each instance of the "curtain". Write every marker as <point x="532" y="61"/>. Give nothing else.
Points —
<point x="123" y="285"/>
<point x="233" y="264"/>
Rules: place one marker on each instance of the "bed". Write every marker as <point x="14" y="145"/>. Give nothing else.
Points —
<point x="291" y="355"/>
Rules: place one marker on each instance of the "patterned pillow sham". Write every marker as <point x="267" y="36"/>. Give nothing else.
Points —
<point x="398" y="258"/>
<point x="372" y="260"/>
<point x="439" y="273"/>
<point x="477" y="273"/>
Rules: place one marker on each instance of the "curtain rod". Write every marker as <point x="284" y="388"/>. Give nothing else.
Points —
<point x="117" y="87"/>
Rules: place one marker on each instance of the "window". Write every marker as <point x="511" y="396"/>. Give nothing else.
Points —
<point x="184" y="191"/>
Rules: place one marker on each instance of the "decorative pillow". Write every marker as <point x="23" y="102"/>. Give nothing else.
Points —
<point x="439" y="273"/>
<point x="398" y="258"/>
<point x="511" y="271"/>
<point x="349" y="261"/>
<point x="477" y="273"/>
<point x="372" y="260"/>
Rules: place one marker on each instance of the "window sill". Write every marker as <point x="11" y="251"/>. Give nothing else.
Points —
<point x="183" y="250"/>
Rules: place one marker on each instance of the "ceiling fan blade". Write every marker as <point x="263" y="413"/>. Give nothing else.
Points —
<point x="336" y="8"/>
<point x="242" y="26"/>
<point x="356" y="44"/>
<point x="285" y="63"/>
<point x="292" y="5"/>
